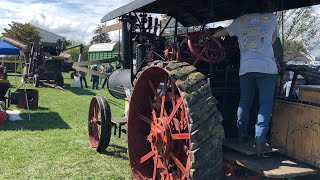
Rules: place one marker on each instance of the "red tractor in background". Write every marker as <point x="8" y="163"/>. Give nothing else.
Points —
<point x="184" y="95"/>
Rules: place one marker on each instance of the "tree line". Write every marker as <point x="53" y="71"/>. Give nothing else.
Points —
<point x="27" y="33"/>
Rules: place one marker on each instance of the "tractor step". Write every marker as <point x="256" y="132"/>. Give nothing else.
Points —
<point x="272" y="166"/>
<point x="118" y="123"/>
<point x="245" y="148"/>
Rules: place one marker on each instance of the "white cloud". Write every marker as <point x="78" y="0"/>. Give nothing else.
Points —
<point x="72" y="19"/>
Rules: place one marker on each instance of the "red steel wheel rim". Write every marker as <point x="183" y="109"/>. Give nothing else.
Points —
<point x="170" y="52"/>
<point x="94" y="123"/>
<point x="158" y="130"/>
<point x="205" y="47"/>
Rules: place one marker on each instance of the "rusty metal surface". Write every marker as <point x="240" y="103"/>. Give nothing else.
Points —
<point x="32" y="96"/>
<point x="189" y="12"/>
<point x="24" y="47"/>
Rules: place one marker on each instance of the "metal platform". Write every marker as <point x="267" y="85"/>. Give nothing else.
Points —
<point x="272" y="166"/>
<point x="245" y="148"/>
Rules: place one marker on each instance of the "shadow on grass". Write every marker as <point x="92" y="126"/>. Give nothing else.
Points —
<point x="115" y="103"/>
<point x="79" y="91"/>
<point x="39" y="122"/>
<point x="43" y="108"/>
<point x="116" y="151"/>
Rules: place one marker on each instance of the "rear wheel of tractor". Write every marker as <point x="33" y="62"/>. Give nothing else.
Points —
<point x="174" y="127"/>
<point x="99" y="123"/>
<point x="36" y="80"/>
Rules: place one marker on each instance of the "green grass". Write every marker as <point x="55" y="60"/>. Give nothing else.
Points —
<point x="54" y="144"/>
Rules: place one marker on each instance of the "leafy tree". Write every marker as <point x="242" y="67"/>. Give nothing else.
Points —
<point x="300" y="31"/>
<point x="100" y="37"/>
<point x="24" y="33"/>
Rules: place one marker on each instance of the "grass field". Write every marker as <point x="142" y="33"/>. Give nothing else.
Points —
<point x="54" y="143"/>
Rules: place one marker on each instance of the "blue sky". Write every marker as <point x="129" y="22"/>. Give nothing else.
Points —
<point x="73" y="19"/>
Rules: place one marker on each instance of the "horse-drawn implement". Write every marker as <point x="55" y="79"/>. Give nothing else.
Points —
<point x="182" y="110"/>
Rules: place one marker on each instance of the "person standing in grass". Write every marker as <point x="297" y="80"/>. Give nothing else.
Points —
<point x="83" y="78"/>
<point x="94" y="78"/>
<point x="108" y="69"/>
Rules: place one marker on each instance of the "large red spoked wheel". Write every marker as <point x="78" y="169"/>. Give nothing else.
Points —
<point x="99" y="123"/>
<point x="170" y="52"/>
<point x="205" y="47"/>
<point x="174" y="127"/>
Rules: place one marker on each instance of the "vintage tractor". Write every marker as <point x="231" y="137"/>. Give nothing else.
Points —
<point x="184" y="96"/>
<point x="43" y="61"/>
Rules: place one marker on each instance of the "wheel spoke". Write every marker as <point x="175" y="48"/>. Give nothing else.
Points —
<point x="175" y="109"/>
<point x="163" y="98"/>
<point x="213" y="49"/>
<point x="154" y="90"/>
<point x="196" y="62"/>
<point x="155" y="167"/>
<point x="146" y="157"/>
<point x="180" y="136"/>
<point x="94" y="113"/>
<point x="203" y="50"/>
<point x="173" y="98"/>
<point x="153" y="112"/>
<point x="143" y="118"/>
<point x="178" y="163"/>
<point x="198" y="45"/>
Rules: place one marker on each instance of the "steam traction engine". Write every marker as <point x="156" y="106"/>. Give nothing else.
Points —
<point x="176" y="127"/>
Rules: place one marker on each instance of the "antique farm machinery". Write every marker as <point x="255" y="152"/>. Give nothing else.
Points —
<point x="184" y="95"/>
<point x="43" y="61"/>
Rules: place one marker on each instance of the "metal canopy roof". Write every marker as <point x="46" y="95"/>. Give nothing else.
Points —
<point x="196" y="12"/>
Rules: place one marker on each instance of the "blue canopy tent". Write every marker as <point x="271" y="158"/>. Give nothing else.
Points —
<point x="8" y="49"/>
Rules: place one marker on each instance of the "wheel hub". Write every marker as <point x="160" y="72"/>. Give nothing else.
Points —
<point x="159" y="136"/>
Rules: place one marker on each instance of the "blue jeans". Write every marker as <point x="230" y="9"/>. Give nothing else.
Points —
<point x="104" y="82"/>
<point x="266" y="86"/>
<point x="95" y="82"/>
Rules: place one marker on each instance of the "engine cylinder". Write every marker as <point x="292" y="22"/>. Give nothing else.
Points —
<point x="118" y="82"/>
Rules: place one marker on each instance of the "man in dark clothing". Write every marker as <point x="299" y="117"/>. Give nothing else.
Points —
<point x="83" y="77"/>
<point x="108" y="70"/>
<point x="94" y="78"/>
